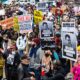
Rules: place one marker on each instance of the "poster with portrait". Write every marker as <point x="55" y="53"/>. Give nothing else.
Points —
<point x="69" y="45"/>
<point x="46" y="29"/>
<point x="69" y="40"/>
<point x="46" y="34"/>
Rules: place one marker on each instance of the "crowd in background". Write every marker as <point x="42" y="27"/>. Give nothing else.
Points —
<point x="21" y="56"/>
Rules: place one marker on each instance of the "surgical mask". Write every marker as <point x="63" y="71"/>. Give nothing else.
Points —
<point x="13" y="52"/>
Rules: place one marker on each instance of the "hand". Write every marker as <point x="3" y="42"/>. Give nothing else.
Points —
<point x="32" y="78"/>
<point x="32" y="73"/>
<point x="33" y="43"/>
<point x="1" y="50"/>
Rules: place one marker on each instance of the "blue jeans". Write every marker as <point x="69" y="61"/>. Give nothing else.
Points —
<point x="21" y="53"/>
<point x="33" y="51"/>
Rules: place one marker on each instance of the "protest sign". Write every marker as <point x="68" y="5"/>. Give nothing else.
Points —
<point x="69" y="26"/>
<point x="25" y="24"/>
<point x="46" y="29"/>
<point x="41" y="5"/>
<point x="24" y="18"/>
<point x="46" y="34"/>
<point x="16" y="24"/>
<point x="69" y="46"/>
<point x="37" y="16"/>
<point x="2" y="12"/>
<point x="32" y="1"/>
<point x="7" y="23"/>
<point x="69" y="41"/>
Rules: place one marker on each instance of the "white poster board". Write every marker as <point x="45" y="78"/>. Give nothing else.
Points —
<point x="69" y="41"/>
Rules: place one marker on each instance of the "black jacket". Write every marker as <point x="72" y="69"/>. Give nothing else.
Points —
<point x="16" y="60"/>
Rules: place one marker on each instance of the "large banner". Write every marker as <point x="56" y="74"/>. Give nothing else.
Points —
<point x="46" y="34"/>
<point x="7" y="23"/>
<point x="25" y="24"/>
<point x="42" y="6"/>
<point x="37" y="16"/>
<point x="69" y="41"/>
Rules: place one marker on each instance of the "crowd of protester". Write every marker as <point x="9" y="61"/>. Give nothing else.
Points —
<point x="21" y="56"/>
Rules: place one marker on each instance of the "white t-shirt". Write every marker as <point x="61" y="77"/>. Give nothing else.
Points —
<point x="10" y="59"/>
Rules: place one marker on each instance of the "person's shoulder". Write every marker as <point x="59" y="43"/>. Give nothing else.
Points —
<point x="40" y="50"/>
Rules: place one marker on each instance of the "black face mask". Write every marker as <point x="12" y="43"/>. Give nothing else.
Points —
<point x="1" y="39"/>
<point x="23" y="36"/>
<point x="6" y="41"/>
<point x="46" y="55"/>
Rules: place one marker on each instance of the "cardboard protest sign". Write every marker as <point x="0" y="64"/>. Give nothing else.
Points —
<point x="2" y="12"/>
<point x="7" y="23"/>
<point x="69" y="41"/>
<point x="37" y="16"/>
<point x="69" y="26"/>
<point x="16" y="24"/>
<point x="25" y="24"/>
<point x="46" y="29"/>
<point x="46" y="34"/>
<point x="69" y="46"/>
<point x="41" y="4"/>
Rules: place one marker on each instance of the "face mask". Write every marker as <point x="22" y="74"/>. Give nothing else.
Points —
<point x="23" y="36"/>
<point x="13" y="52"/>
<point x="6" y="41"/>
<point x="46" y="55"/>
<point x="1" y="38"/>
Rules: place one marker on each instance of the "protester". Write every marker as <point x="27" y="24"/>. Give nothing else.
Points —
<point x="24" y="70"/>
<point x="21" y="44"/>
<point x="12" y="62"/>
<point x="30" y="56"/>
<point x="47" y="66"/>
